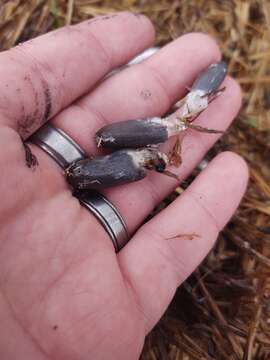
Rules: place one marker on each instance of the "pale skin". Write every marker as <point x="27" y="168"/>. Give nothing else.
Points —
<point x="64" y="293"/>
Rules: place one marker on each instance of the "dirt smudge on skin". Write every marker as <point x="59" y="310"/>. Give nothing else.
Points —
<point x="137" y="15"/>
<point x="42" y="108"/>
<point x="24" y="125"/>
<point x="28" y="120"/>
<point x="101" y="18"/>
<point x="111" y="16"/>
<point x="30" y="159"/>
<point x="146" y="95"/>
<point x="47" y="101"/>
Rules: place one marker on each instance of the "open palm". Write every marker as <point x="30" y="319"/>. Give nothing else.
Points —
<point x="64" y="293"/>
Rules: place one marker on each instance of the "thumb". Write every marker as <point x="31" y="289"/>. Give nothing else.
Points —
<point x="169" y="247"/>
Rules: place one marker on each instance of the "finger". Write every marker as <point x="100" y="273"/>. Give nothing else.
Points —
<point x="135" y="201"/>
<point x="46" y="74"/>
<point x="147" y="89"/>
<point x="160" y="256"/>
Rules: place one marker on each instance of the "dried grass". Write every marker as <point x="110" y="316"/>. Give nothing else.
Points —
<point x="223" y="310"/>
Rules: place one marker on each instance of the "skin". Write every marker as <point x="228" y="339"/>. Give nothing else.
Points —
<point x="64" y="293"/>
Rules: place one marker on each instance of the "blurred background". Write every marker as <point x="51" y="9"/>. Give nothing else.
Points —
<point x="223" y="310"/>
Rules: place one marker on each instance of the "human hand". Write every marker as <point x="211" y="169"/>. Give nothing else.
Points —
<point x="64" y="293"/>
